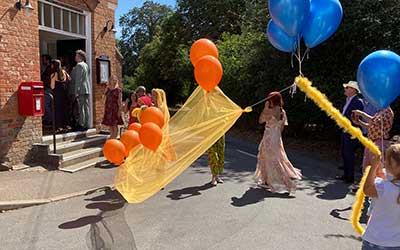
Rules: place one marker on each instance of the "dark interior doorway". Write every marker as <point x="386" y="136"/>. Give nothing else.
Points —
<point x="66" y="51"/>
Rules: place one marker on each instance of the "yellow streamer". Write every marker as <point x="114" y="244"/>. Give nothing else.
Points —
<point x="322" y="101"/>
<point x="359" y="204"/>
<point x="201" y="121"/>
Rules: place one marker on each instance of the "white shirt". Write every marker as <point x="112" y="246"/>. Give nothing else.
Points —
<point x="384" y="226"/>
<point x="348" y="101"/>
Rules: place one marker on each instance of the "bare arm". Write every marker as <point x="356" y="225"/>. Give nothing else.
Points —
<point x="53" y="81"/>
<point x="264" y="114"/>
<point x="120" y="104"/>
<point x="67" y="76"/>
<point x="364" y="115"/>
<point x="284" y="120"/>
<point x="125" y="105"/>
<point x="369" y="187"/>
<point x="363" y="124"/>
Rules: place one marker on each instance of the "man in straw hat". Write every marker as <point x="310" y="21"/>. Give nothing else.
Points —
<point x="349" y="145"/>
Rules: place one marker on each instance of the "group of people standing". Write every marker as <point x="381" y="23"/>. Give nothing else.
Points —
<point x="375" y="124"/>
<point x="70" y="90"/>
<point x="115" y="107"/>
<point x="382" y="184"/>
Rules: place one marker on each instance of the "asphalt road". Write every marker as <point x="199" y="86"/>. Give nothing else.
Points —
<point x="189" y="214"/>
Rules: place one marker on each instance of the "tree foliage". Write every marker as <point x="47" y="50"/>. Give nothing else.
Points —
<point x="252" y="67"/>
<point x="139" y="27"/>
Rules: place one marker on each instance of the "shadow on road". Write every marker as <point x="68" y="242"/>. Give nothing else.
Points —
<point x="325" y="188"/>
<point x="108" y="229"/>
<point x="343" y="236"/>
<point x="364" y="218"/>
<point x="254" y="195"/>
<point x="188" y="192"/>
<point x="336" y="213"/>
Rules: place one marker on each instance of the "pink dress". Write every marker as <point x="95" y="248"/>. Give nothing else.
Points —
<point x="273" y="165"/>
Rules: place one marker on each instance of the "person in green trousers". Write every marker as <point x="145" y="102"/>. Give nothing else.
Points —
<point x="216" y="155"/>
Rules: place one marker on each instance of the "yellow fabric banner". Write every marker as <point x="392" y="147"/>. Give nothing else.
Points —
<point x="201" y="121"/>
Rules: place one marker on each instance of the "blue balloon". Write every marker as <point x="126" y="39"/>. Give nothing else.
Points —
<point x="280" y="39"/>
<point x="289" y="15"/>
<point x="378" y="77"/>
<point x="324" y="19"/>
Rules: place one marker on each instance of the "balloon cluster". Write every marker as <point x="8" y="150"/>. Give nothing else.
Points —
<point x="207" y="67"/>
<point x="148" y="133"/>
<point x="313" y="20"/>
<point x="378" y="76"/>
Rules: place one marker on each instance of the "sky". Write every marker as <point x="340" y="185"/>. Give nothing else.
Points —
<point x="125" y="5"/>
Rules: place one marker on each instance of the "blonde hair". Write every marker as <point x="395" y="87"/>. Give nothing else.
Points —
<point x="393" y="159"/>
<point x="162" y="103"/>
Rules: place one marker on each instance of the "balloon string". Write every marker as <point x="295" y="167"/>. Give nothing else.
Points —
<point x="292" y="89"/>
<point x="300" y="58"/>
<point x="382" y="148"/>
<point x="291" y="59"/>
<point x="299" y="55"/>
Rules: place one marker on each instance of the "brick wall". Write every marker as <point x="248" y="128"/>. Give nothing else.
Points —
<point x="19" y="61"/>
<point x="103" y="44"/>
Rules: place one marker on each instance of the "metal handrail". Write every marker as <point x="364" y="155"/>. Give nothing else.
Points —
<point x="53" y="114"/>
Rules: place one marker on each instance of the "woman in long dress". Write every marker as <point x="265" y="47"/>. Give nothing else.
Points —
<point x="58" y="85"/>
<point x="274" y="169"/>
<point x="112" y="110"/>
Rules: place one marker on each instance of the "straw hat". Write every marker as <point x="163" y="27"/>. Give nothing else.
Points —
<point x="352" y="84"/>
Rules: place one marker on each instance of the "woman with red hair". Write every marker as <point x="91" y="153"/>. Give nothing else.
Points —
<point x="274" y="170"/>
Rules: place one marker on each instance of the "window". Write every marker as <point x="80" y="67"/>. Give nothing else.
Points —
<point x="61" y="18"/>
<point x="47" y="15"/>
<point x="57" y="18"/>
<point x="66" y="23"/>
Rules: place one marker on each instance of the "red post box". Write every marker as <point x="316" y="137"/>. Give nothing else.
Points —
<point x="31" y="99"/>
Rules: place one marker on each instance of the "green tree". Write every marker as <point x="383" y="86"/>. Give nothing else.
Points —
<point x="139" y="27"/>
<point x="210" y="18"/>
<point x="162" y="62"/>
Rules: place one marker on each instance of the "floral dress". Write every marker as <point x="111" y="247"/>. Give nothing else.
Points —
<point x="112" y="116"/>
<point x="273" y="165"/>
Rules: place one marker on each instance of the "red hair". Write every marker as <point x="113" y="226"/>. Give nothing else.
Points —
<point x="275" y="99"/>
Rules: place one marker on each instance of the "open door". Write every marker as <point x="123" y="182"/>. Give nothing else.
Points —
<point x="66" y="49"/>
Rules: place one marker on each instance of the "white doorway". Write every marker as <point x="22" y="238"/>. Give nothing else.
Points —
<point x="62" y="30"/>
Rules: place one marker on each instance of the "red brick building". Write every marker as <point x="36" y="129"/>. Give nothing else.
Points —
<point x="50" y="27"/>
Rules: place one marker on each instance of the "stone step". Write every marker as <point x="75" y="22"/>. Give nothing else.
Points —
<point x="80" y="155"/>
<point x="84" y="165"/>
<point x="48" y="139"/>
<point x="82" y="143"/>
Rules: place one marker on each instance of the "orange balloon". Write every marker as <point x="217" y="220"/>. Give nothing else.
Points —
<point x="135" y="126"/>
<point x="150" y="135"/>
<point x="114" y="151"/>
<point x="154" y="115"/>
<point x="208" y="72"/>
<point x="202" y="47"/>
<point x="130" y="139"/>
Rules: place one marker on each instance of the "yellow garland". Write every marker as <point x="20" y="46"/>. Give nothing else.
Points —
<point x="322" y="101"/>
<point x="358" y="204"/>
